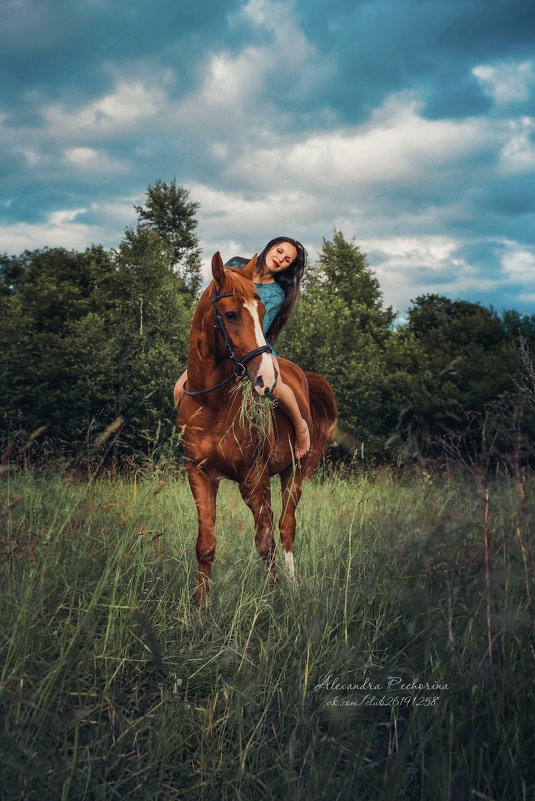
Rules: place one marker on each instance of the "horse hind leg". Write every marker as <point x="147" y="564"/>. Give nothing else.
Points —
<point x="257" y="496"/>
<point x="291" y="486"/>
<point x="204" y="490"/>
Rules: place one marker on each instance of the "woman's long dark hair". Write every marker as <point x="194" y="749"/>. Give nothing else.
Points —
<point x="289" y="280"/>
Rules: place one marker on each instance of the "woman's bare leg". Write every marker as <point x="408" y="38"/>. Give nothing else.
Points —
<point x="289" y="406"/>
<point x="179" y="388"/>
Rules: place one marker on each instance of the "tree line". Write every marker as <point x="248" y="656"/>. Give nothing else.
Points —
<point x="101" y="335"/>
<point x="401" y="388"/>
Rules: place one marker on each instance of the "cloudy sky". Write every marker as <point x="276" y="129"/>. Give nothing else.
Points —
<point x="407" y="124"/>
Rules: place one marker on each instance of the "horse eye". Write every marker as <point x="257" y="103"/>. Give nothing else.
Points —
<point x="256" y="295"/>
<point x="231" y="316"/>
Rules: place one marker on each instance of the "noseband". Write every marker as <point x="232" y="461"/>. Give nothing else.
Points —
<point x="240" y="369"/>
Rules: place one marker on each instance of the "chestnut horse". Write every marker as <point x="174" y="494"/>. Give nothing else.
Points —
<point x="226" y="343"/>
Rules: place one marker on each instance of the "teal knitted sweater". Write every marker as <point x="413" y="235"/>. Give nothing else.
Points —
<point x="271" y="295"/>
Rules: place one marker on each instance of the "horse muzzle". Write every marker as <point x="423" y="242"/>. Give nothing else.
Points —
<point x="264" y="378"/>
<point x="261" y="389"/>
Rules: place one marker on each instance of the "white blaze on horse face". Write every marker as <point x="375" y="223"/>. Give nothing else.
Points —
<point x="266" y="370"/>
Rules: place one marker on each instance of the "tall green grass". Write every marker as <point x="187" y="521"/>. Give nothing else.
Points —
<point x="112" y="686"/>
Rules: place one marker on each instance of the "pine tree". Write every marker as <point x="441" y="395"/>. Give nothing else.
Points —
<point x="341" y="330"/>
<point x="169" y="212"/>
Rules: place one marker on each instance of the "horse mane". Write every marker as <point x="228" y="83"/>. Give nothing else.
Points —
<point x="234" y="281"/>
<point x="237" y="283"/>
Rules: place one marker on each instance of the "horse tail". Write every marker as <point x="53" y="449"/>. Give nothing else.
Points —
<point x="323" y="414"/>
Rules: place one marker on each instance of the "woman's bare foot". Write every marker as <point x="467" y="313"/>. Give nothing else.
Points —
<point x="302" y="439"/>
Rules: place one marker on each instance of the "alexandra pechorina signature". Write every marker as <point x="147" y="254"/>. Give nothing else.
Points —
<point x="392" y="684"/>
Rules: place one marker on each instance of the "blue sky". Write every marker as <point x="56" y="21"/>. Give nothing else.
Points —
<point x="407" y="124"/>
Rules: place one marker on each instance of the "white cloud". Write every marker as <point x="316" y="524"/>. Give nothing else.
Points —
<point x="131" y="104"/>
<point x="519" y="266"/>
<point x="518" y="152"/>
<point x="397" y="144"/>
<point x="229" y="83"/>
<point x="32" y="158"/>
<point x="59" y="230"/>
<point x="234" y="225"/>
<point x="60" y="218"/>
<point x="507" y="82"/>
<point x="81" y="156"/>
<point x="233" y="95"/>
<point x="432" y="251"/>
<point x="410" y="266"/>
<point x="526" y="297"/>
<point x="400" y="262"/>
<point x="291" y="46"/>
<point x="88" y="159"/>
<point x="81" y="138"/>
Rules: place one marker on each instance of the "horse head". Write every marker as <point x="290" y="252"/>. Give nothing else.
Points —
<point x="240" y="312"/>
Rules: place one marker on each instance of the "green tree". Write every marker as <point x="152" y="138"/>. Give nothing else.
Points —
<point x="342" y="330"/>
<point x="149" y="319"/>
<point x="172" y="215"/>
<point x="398" y="388"/>
<point x="464" y="357"/>
<point x="87" y="337"/>
<point x="517" y="325"/>
<point x="44" y="294"/>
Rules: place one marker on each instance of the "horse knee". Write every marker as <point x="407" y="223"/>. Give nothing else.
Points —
<point x="264" y="542"/>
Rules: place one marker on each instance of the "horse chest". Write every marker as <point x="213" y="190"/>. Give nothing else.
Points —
<point x="220" y="444"/>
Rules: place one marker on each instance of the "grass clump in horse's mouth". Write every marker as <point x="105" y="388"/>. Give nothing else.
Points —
<point x="255" y="410"/>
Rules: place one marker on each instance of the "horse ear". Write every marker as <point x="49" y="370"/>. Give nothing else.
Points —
<point x="218" y="271"/>
<point x="248" y="271"/>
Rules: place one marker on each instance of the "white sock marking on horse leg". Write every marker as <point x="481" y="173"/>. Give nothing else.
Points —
<point x="289" y="559"/>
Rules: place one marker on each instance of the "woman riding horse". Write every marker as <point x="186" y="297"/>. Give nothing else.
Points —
<point x="277" y="277"/>
<point x="220" y="442"/>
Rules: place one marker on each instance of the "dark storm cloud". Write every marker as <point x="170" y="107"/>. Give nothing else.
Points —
<point x="407" y="124"/>
<point x="385" y="46"/>
<point x="69" y="47"/>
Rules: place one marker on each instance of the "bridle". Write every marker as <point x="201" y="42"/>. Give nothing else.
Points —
<point x="240" y="369"/>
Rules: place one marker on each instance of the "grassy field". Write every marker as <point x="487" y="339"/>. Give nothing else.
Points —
<point x="402" y="666"/>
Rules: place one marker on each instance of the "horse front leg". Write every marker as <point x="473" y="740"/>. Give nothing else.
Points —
<point x="204" y="490"/>
<point x="256" y="493"/>
<point x="291" y="486"/>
